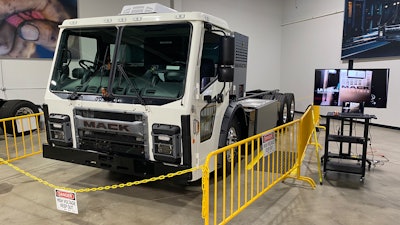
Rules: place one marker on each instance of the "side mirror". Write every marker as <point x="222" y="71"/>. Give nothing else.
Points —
<point x="225" y="74"/>
<point x="226" y="59"/>
<point x="227" y="54"/>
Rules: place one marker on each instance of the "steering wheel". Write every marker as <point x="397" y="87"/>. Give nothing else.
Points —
<point x="86" y="64"/>
<point x="178" y="63"/>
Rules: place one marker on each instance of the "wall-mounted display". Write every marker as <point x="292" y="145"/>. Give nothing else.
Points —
<point x="29" y="29"/>
<point x="371" y="29"/>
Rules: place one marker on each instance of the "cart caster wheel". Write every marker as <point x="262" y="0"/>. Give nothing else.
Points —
<point x="362" y="179"/>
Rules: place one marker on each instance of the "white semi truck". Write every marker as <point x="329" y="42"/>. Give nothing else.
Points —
<point x="152" y="91"/>
<point x="21" y="92"/>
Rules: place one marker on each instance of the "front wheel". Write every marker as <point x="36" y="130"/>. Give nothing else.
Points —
<point x="233" y="135"/>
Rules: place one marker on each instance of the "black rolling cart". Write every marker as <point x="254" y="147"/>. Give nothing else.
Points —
<point x="343" y="160"/>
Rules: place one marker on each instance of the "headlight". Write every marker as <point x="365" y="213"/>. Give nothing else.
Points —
<point x="60" y="129"/>
<point x="166" y="143"/>
<point x="165" y="149"/>
<point x="164" y="138"/>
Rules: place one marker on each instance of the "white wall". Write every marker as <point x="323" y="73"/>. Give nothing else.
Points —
<point x="312" y="38"/>
<point x="289" y="39"/>
<point x="91" y="8"/>
<point x="261" y="21"/>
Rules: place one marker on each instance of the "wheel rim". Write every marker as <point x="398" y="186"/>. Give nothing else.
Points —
<point x="232" y="136"/>
<point x="24" y="111"/>
<point x="231" y="139"/>
<point x="292" y="109"/>
<point x="284" y="113"/>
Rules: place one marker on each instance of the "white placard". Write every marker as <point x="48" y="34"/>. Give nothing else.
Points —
<point x="25" y="124"/>
<point x="268" y="143"/>
<point x="66" y="201"/>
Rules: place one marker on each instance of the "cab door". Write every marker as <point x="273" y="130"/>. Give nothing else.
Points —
<point x="214" y="96"/>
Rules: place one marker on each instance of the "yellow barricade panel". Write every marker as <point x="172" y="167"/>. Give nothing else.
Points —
<point x="249" y="168"/>
<point x="22" y="137"/>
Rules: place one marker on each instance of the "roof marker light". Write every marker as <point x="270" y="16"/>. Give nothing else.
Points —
<point x="145" y="8"/>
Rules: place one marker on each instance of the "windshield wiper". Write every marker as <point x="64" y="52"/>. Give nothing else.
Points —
<point x="131" y="83"/>
<point x="74" y="95"/>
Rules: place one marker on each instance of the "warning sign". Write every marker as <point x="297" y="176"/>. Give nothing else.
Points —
<point x="66" y="201"/>
<point x="268" y="143"/>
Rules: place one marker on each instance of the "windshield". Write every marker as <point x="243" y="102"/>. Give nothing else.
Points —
<point x="145" y="62"/>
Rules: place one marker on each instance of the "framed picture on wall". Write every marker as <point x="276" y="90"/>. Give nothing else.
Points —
<point x="29" y="29"/>
<point x="371" y="29"/>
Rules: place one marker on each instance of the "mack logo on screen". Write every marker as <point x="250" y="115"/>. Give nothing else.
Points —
<point x="106" y="126"/>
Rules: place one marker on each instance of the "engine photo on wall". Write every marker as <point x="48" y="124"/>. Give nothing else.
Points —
<point x="29" y="29"/>
<point x="371" y="29"/>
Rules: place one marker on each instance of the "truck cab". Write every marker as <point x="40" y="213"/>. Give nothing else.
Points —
<point x="145" y="93"/>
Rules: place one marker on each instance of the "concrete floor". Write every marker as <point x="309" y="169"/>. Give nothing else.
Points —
<point x="342" y="199"/>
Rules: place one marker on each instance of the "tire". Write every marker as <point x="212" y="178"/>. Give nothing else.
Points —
<point x="234" y="134"/>
<point x="15" y="108"/>
<point x="291" y="106"/>
<point x="283" y="109"/>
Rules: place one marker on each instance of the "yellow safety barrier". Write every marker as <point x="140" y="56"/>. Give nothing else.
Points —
<point x="259" y="163"/>
<point x="244" y="171"/>
<point x="21" y="137"/>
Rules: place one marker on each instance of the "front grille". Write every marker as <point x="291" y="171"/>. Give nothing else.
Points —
<point x="112" y="133"/>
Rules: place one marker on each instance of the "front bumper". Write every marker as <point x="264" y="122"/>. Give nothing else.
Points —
<point x="117" y="162"/>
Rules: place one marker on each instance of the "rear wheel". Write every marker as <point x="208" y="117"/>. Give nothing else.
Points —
<point x="15" y="108"/>
<point x="283" y="109"/>
<point x="291" y="107"/>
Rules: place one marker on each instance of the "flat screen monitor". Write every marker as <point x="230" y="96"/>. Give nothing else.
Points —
<point x="333" y="87"/>
<point x="353" y="107"/>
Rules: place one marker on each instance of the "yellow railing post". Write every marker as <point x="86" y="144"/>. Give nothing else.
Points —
<point x="316" y="117"/>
